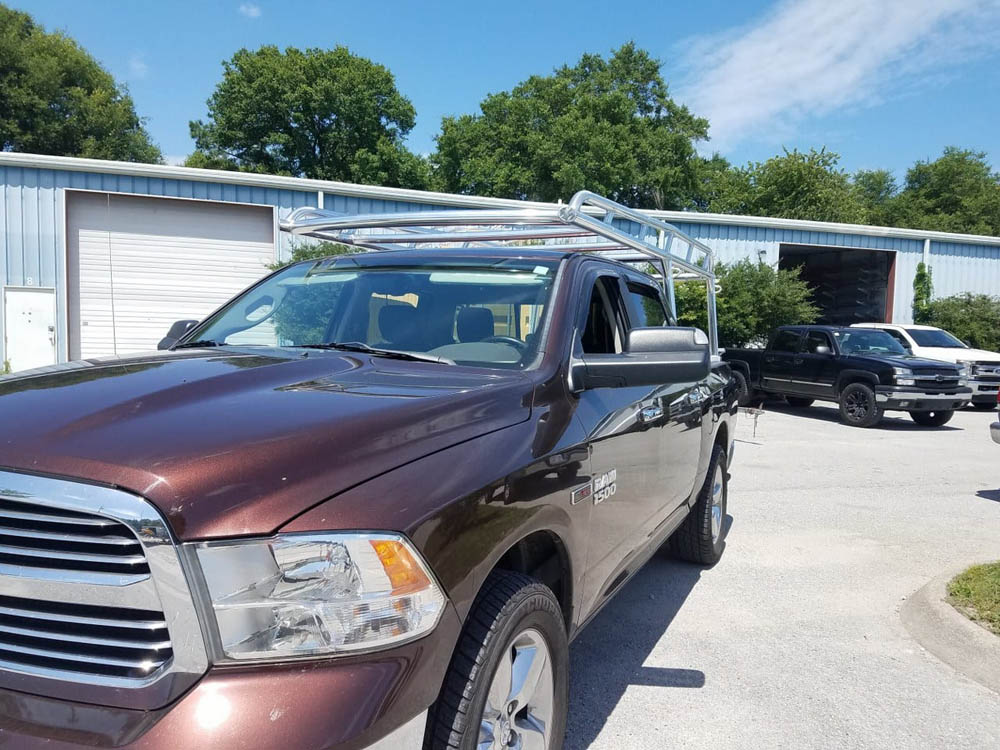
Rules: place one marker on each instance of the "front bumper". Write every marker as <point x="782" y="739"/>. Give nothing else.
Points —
<point x="995" y="432"/>
<point x="984" y="391"/>
<point x="378" y="702"/>
<point x="915" y="399"/>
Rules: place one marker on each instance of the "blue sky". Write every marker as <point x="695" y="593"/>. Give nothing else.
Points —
<point x="882" y="82"/>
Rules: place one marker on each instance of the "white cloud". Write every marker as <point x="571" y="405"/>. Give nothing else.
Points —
<point x="137" y="67"/>
<point x="250" y="10"/>
<point x="808" y="58"/>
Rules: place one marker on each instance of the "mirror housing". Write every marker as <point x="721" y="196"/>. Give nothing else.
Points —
<point x="822" y="350"/>
<point x="653" y="356"/>
<point x="176" y="333"/>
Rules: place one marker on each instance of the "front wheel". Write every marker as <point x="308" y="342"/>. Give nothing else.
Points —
<point x="701" y="538"/>
<point x="508" y="682"/>
<point x="858" y="406"/>
<point x="931" y="418"/>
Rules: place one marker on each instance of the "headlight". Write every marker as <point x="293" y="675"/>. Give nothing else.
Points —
<point x="903" y="376"/>
<point x="966" y="368"/>
<point x="314" y="594"/>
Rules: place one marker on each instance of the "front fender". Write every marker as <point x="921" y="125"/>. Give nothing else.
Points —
<point x="465" y="506"/>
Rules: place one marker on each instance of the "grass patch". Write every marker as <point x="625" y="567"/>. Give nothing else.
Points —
<point x="976" y="593"/>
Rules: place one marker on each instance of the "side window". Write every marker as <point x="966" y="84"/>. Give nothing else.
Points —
<point x="899" y="337"/>
<point x="602" y="333"/>
<point x="645" y="308"/>
<point x="786" y="341"/>
<point x="815" y="339"/>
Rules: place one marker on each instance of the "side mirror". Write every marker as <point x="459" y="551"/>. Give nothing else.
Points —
<point x="653" y="356"/>
<point x="822" y="350"/>
<point x="176" y="333"/>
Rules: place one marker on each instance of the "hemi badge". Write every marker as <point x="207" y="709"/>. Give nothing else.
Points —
<point x="581" y="493"/>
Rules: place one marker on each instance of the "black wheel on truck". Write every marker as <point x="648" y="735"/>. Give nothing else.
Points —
<point x="931" y="418"/>
<point x="702" y="537"/>
<point x="799" y="402"/>
<point x="858" y="406"/>
<point x="508" y="681"/>
<point x="743" y="395"/>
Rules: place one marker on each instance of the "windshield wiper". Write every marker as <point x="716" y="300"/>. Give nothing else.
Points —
<point x="357" y="346"/>
<point x="201" y="343"/>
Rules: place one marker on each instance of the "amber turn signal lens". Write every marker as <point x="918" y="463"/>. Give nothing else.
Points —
<point x="404" y="572"/>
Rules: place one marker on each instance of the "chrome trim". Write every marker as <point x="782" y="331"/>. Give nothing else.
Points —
<point x="918" y="396"/>
<point x="164" y="589"/>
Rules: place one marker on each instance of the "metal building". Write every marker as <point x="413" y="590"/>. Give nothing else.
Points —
<point x="98" y="257"/>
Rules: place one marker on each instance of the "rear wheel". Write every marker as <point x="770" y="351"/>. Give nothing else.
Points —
<point x="702" y="536"/>
<point x="931" y="418"/>
<point x="508" y="682"/>
<point x="799" y="402"/>
<point x="743" y="395"/>
<point x="858" y="406"/>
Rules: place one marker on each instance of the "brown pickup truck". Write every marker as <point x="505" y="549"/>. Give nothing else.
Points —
<point x="366" y="504"/>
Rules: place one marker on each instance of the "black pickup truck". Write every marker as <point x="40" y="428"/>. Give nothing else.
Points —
<point x="865" y="371"/>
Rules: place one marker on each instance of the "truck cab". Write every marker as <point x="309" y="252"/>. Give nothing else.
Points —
<point x="983" y="367"/>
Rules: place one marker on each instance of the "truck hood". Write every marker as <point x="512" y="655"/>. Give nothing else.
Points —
<point x="903" y="360"/>
<point x="946" y="354"/>
<point x="239" y="441"/>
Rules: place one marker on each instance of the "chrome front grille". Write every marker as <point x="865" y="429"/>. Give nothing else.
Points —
<point x="113" y="641"/>
<point x="39" y="536"/>
<point x="93" y="591"/>
<point x="937" y="378"/>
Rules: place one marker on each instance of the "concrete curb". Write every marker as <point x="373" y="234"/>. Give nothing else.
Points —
<point x="954" y="639"/>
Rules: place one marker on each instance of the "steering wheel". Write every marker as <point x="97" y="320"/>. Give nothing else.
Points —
<point x="509" y="340"/>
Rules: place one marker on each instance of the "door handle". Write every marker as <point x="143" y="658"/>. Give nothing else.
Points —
<point x="650" y="413"/>
<point x="769" y="359"/>
<point x="798" y="360"/>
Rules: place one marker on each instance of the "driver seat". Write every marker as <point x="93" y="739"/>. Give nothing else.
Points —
<point x="475" y="324"/>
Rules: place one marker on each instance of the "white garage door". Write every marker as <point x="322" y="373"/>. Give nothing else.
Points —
<point x="136" y="265"/>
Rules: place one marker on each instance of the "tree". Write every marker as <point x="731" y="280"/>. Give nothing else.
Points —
<point x="755" y="298"/>
<point x="56" y="99"/>
<point x="326" y="114"/>
<point x="602" y="125"/>
<point x="314" y="251"/>
<point x="974" y="318"/>
<point x="957" y="192"/>
<point x="877" y="193"/>
<point x="923" y="291"/>
<point x="795" y="185"/>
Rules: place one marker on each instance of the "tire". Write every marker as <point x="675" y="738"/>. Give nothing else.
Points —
<point x="514" y="618"/>
<point x="984" y="405"/>
<point x="931" y="418"/>
<point x="799" y="402"/>
<point x="743" y="395"/>
<point x="858" y="407"/>
<point x="701" y="538"/>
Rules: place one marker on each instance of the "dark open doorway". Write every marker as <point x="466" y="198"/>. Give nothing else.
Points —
<point x="849" y="286"/>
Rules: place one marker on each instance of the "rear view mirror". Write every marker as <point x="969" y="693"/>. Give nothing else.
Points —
<point x="176" y="333"/>
<point x="653" y="356"/>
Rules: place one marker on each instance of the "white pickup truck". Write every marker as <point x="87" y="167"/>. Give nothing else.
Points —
<point x="935" y="343"/>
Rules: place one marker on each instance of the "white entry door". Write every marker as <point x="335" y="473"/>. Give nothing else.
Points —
<point x="29" y="327"/>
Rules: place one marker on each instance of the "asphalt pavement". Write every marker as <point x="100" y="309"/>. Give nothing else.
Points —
<point x="794" y="640"/>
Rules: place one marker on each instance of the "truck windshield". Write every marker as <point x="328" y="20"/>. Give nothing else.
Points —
<point x="478" y="313"/>
<point x="859" y="340"/>
<point x="935" y="337"/>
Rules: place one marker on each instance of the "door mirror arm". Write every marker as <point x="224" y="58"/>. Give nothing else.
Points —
<point x="177" y="331"/>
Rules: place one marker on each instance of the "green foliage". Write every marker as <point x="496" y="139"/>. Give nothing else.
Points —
<point x="5" y="369"/>
<point x="923" y="291"/>
<point x="974" y="318"/>
<point x="795" y="185"/>
<point x="876" y="191"/>
<point x="326" y="114"/>
<point x="754" y="300"/>
<point x="314" y="251"/>
<point x="56" y="99"/>
<point x="606" y="125"/>
<point x="976" y="592"/>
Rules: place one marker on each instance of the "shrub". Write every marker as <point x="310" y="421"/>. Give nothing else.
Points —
<point x="974" y="318"/>
<point x="753" y="300"/>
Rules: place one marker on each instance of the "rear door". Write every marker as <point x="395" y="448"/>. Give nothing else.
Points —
<point x="778" y="363"/>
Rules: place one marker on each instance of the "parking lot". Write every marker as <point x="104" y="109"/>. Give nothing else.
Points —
<point x="794" y="639"/>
